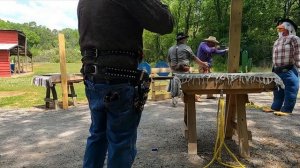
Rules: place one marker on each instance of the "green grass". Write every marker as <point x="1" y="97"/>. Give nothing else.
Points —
<point x="19" y="92"/>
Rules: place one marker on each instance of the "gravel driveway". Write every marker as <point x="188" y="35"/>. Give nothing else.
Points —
<point x="38" y="138"/>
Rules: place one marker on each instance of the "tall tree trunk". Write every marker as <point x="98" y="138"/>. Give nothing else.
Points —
<point x="178" y="16"/>
<point x="187" y="18"/>
<point x="219" y="15"/>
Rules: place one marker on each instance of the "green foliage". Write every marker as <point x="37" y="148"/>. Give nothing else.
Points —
<point x="43" y="42"/>
<point x="198" y="18"/>
<point x="219" y="63"/>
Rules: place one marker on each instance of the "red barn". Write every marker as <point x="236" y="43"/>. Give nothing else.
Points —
<point x="12" y="42"/>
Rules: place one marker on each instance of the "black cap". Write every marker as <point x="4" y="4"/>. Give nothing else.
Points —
<point x="181" y="36"/>
<point x="289" y="21"/>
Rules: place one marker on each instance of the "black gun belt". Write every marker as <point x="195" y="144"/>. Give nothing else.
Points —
<point x="99" y="53"/>
<point x="110" y="75"/>
<point x="283" y="69"/>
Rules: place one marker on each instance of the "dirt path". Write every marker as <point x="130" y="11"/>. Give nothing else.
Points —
<point x="34" y="138"/>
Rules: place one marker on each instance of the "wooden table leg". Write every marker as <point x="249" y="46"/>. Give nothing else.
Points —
<point x="191" y="124"/>
<point x="185" y="128"/>
<point x="72" y="93"/>
<point x="230" y="114"/>
<point x="55" y="99"/>
<point x="242" y="125"/>
<point x="47" y="98"/>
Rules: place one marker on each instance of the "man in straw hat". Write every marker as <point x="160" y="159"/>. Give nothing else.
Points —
<point x="179" y="56"/>
<point x="286" y="61"/>
<point x="206" y="49"/>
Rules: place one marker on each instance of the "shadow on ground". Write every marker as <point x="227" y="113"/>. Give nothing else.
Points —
<point x="38" y="138"/>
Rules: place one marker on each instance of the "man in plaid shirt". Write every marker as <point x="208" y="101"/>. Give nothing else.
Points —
<point x="286" y="61"/>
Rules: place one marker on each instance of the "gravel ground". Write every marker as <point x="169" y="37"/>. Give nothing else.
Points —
<point x="38" y="138"/>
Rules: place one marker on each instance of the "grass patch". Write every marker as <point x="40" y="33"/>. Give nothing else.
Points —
<point x="19" y="92"/>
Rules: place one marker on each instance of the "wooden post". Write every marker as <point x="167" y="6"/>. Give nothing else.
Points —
<point x="18" y="60"/>
<point x="235" y="35"/>
<point x="25" y="54"/>
<point x="191" y="123"/>
<point x="234" y="52"/>
<point x="242" y="125"/>
<point x="235" y="108"/>
<point x="63" y="70"/>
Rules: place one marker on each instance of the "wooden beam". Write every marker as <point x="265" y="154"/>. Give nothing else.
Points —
<point x="63" y="70"/>
<point x="191" y="124"/>
<point x="18" y="60"/>
<point x="242" y="125"/>
<point x="235" y="35"/>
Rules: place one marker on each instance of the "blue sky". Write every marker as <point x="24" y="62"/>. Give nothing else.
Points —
<point x="54" y="14"/>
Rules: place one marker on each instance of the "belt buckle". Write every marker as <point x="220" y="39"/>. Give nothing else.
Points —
<point x="95" y="69"/>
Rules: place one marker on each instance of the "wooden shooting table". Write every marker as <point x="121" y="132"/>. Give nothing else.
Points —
<point x="50" y="80"/>
<point x="236" y="86"/>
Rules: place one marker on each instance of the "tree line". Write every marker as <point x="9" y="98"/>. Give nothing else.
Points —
<point x="198" y="18"/>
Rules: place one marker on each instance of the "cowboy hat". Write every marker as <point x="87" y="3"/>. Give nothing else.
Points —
<point x="181" y="36"/>
<point x="211" y="39"/>
<point x="289" y="21"/>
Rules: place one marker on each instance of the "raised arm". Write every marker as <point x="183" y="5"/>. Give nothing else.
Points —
<point x="151" y="14"/>
<point x="220" y="52"/>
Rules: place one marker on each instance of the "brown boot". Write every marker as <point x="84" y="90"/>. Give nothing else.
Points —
<point x="280" y="113"/>
<point x="267" y="110"/>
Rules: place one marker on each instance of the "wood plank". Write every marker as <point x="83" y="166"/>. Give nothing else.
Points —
<point x="159" y="70"/>
<point x="233" y="59"/>
<point x="230" y="115"/>
<point x="186" y="129"/>
<point x="160" y="96"/>
<point x="191" y="124"/>
<point x="63" y="70"/>
<point x="234" y="125"/>
<point x="211" y="84"/>
<point x="74" y="78"/>
<point x="242" y="125"/>
<point x="235" y="35"/>
<point x="159" y="87"/>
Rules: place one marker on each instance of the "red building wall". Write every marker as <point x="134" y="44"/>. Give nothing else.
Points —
<point x="4" y="64"/>
<point x="8" y="37"/>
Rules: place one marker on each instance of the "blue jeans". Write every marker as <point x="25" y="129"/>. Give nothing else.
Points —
<point x="114" y="125"/>
<point x="285" y="99"/>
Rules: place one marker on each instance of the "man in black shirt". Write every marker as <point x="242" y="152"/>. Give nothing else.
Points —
<point x="111" y="45"/>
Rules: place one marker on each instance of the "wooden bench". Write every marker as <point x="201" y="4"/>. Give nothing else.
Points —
<point x="159" y="84"/>
<point x="50" y="80"/>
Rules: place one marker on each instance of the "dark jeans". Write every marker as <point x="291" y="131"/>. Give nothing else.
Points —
<point x="114" y="126"/>
<point x="285" y="99"/>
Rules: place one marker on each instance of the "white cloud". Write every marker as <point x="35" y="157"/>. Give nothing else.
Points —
<point x="54" y="14"/>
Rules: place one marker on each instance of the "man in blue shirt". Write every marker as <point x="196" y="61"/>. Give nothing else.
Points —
<point x="206" y="49"/>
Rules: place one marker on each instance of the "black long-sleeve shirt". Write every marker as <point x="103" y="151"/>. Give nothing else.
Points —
<point x="119" y="24"/>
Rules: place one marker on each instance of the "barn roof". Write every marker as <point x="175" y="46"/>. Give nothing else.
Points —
<point x="7" y="46"/>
